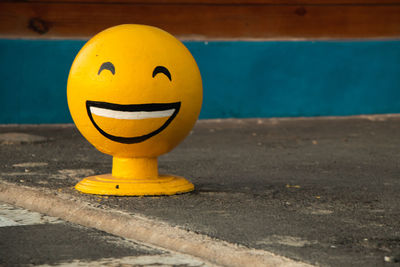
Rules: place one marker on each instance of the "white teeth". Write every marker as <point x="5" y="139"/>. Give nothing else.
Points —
<point x="131" y="115"/>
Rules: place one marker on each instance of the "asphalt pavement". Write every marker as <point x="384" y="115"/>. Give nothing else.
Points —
<point x="323" y="191"/>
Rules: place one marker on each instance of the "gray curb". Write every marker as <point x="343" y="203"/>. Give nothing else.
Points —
<point x="137" y="227"/>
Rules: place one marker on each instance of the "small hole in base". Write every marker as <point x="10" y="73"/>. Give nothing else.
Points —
<point x="117" y="186"/>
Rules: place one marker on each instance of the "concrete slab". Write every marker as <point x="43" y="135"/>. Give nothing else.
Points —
<point x="323" y="191"/>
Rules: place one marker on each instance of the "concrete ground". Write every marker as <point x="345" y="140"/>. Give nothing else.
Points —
<point x="322" y="191"/>
<point x="33" y="239"/>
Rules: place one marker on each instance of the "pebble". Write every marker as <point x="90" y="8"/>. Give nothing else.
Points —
<point x="395" y="258"/>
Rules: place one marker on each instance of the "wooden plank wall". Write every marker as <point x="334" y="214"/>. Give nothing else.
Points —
<point x="206" y="19"/>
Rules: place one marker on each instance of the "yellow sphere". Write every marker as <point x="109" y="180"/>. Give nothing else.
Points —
<point x="134" y="91"/>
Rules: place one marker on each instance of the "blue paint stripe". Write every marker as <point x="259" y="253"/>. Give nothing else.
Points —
<point x="241" y="79"/>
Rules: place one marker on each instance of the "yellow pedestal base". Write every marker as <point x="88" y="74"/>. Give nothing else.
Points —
<point x="106" y="184"/>
<point x="134" y="177"/>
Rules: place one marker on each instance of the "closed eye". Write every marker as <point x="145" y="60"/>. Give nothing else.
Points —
<point x="163" y="70"/>
<point x="107" y="66"/>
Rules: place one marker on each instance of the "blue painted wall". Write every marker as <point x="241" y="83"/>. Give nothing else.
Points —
<point x="241" y="79"/>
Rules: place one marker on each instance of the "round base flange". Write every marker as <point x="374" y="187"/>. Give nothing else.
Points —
<point x="106" y="184"/>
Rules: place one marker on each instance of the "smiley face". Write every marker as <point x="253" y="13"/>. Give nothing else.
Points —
<point x="134" y="91"/>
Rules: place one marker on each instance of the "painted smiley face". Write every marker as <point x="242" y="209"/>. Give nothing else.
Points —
<point x="134" y="91"/>
<point x="132" y="112"/>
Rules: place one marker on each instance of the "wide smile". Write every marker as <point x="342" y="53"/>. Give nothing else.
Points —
<point x="132" y="112"/>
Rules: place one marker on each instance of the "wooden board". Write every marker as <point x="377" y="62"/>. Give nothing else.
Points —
<point x="224" y="2"/>
<point x="206" y="19"/>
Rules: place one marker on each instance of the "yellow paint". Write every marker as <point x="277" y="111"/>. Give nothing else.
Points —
<point x="108" y="185"/>
<point x="293" y="186"/>
<point x="130" y="113"/>
<point x="143" y="168"/>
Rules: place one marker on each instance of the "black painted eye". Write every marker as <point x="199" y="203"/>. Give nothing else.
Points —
<point x="107" y="66"/>
<point x="163" y="70"/>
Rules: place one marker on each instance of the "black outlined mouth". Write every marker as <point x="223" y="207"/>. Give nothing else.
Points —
<point x="132" y="112"/>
